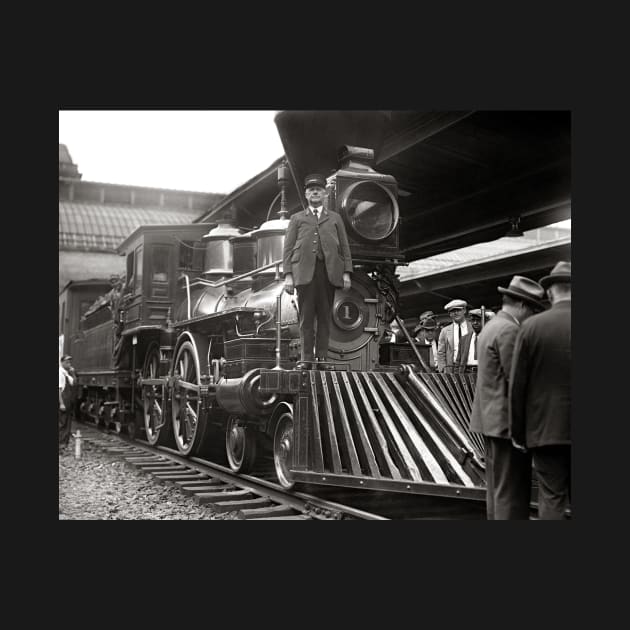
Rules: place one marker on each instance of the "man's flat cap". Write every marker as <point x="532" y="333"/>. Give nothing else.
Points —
<point x="455" y="304"/>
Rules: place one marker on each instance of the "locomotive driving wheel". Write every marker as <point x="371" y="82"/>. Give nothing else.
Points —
<point x="240" y="445"/>
<point x="153" y="400"/>
<point x="282" y="448"/>
<point x="189" y="423"/>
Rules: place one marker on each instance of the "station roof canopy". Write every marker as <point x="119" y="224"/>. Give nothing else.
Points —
<point x="474" y="273"/>
<point x="463" y="175"/>
<point x="102" y="227"/>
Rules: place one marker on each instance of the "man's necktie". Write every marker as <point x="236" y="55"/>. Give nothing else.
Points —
<point x="475" y="352"/>
<point x="459" y="342"/>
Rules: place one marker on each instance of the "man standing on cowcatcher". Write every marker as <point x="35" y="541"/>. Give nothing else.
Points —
<point x="316" y="260"/>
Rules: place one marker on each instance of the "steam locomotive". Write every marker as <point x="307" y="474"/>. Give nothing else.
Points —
<point x="199" y="353"/>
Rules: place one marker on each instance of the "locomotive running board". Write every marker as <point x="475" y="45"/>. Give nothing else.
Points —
<point x="383" y="430"/>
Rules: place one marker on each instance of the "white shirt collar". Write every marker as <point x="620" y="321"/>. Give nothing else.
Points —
<point x="470" y="359"/>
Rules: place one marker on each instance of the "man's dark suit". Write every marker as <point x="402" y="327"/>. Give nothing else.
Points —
<point x="540" y="403"/>
<point x="317" y="255"/>
<point x="508" y="471"/>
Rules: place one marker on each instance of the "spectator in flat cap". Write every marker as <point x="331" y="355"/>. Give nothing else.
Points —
<point x="316" y="261"/>
<point x="540" y="394"/>
<point x="429" y="334"/>
<point x="450" y="336"/>
<point x="508" y="470"/>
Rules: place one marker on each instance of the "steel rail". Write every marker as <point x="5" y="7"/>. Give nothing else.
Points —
<point x="169" y="465"/>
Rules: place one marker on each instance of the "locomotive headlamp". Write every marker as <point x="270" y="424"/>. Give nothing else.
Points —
<point x="370" y="209"/>
<point x="368" y="202"/>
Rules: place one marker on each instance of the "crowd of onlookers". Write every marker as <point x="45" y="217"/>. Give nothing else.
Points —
<point x="522" y="357"/>
<point x="452" y="347"/>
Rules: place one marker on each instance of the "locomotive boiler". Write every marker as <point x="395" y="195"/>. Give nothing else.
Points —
<point x="199" y="352"/>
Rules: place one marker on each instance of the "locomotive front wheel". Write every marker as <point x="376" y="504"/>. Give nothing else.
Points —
<point x="240" y="445"/>
<point x="282" y="449"/>
<point x="153" y="400"/>
<point x="189" y="424"/>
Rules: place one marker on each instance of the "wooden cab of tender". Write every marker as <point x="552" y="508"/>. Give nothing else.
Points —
<point x="156" y="257"/>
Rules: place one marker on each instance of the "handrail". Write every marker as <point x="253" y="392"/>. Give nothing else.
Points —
<point x="207" y="283"/>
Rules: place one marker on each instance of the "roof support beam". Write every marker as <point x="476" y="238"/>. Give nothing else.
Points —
<point x="428" y="125"/>
<point x="546" y="255"/>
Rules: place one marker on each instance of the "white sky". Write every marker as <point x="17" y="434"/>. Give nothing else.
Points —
<point x="205" y="151"/>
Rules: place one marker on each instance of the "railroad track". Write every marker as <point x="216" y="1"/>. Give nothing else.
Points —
<point x="250" y="497"/>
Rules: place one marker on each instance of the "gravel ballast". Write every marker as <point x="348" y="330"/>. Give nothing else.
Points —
<point x="101" y="486"/>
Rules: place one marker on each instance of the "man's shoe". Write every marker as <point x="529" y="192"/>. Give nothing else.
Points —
<point x="303" y="365"/>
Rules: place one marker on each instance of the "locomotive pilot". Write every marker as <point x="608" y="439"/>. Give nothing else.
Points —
<point x="316" y="260"/>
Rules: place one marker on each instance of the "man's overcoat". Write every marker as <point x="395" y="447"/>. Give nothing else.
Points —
<point x="540" y="381"/>
<point x="495" y="346"/>
<point x="301" y="246"/>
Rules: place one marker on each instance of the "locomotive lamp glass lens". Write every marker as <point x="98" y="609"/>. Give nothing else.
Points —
<point x="371" y="210"/>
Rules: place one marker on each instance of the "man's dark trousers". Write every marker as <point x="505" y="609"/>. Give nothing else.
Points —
<point x="508" y="480"/>
<point x="315" y="300"/>
<point x="553" y="471"/>
<point x="64" y="420"/>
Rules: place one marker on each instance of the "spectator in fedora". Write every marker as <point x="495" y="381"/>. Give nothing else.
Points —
<point x="450" y="336"/>
<point x="508" y="471"/>
<point x="540" y="394"/>
<point x="418" y="331"/>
